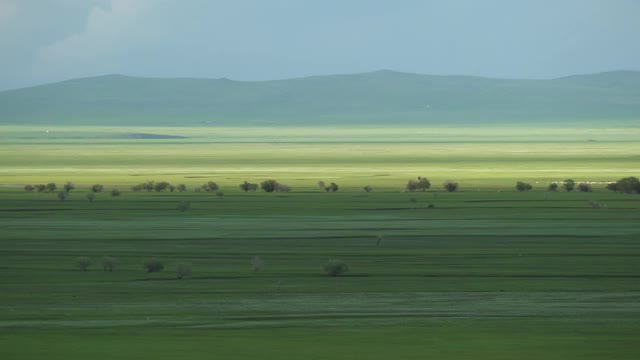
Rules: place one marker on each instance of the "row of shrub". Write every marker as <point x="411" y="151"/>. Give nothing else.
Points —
<point x="184" y="270"/>
<point x="627" y="185"/>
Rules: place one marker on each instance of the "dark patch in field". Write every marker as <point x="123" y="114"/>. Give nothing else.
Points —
<point x="140" y="136"/>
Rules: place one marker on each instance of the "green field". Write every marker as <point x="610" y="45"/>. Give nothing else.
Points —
<point x="483" y="273"/>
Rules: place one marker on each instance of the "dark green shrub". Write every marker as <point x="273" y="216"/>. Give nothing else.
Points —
<point x="109" y="263"/>
<point x="83" y="263"/>
<point x="97" y="188"/>
<point x="183" y="271"/>
<point x="451" y="186"/>
<point x="569" y="185"/>
<point x="153" y="265"/>
<point x="269" y="185"/>
<point x="335" y="267"/>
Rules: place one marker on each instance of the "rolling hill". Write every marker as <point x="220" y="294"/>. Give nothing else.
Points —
<point x="379" y="97"/>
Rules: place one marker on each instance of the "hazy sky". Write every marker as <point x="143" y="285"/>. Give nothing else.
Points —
<point x="49" y="40"/>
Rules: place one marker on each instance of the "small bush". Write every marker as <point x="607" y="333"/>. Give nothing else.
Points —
<point x="584" y="188"/>
<point x="210" y="186"/>
<point x="553" y="187"/>
<point x="321" y="185"/>
<point x="247" y="186"/>
<point x="109" y="263"/>
<point x="335" y="267"/>
<point x="91" y="196"/>
<point x="569" y="185"/>
<point x="51" y="187"/>
<point x="412" y="185"/>
<point x="450" y="186"/>
<point x="257" y="264"/>
<point x="431" y="206"/>
<point x="181" y="187"/>
<point x="333" y="187"/>
<point x="282" y="188"/>
<point x="597" y="205"/>
<point x="183" y="271"/>
<point x="521" y="186"/>
<point x="40" y="187"/>
<point x="83" y="263"/>
<point x="29" y="188"/>
<point x="97" y="188"/>
<point x="220" y="194"/>
<point x="153" y="265"/>
<point x="269" y="185"/>
<point x="137" y="188"/>
<point x="367" y="189"/>
<point x="63" y="195"/>
<point x="184" y="206"/>
<point x="115" y="192"/>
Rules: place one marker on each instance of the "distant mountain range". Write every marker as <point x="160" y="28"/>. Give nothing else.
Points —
<point x="381" y="97"/>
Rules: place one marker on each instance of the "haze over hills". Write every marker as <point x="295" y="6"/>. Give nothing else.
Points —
<point x="379" y="97"/>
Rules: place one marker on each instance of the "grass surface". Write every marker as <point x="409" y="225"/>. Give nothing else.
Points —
<point x="487" y="273"/>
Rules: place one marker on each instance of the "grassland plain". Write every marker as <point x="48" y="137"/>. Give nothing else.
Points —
<point x="486" y="273"/>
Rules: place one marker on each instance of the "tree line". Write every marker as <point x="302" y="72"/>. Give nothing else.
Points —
<point x="628" y="185"/>
<point x="184" y="270"/>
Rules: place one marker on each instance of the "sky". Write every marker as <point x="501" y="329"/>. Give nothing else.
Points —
<point x="44" y="41"/>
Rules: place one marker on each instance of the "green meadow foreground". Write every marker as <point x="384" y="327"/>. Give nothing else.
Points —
<point x="482" y="273"/>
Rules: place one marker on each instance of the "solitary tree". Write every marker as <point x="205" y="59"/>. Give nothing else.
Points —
<point x="183" y="271"/>
<point x="450" y="186"/>
<point x="97" y="188"/>
<point x="51" y="187"/>
<point x="91" y="196"/>
<point x="29" y="188"/>
<point x="553" y="187"/>
<point x="367" y="188"/>
<point x="569" y="185"/>
<point x="181" y="187"/>
<point x="521" y="186"/>
<point x="423" y="183"/>
<point x="153" y="265"/>
<point x="68" y="186"/>
<point x="210" y="186"/>
<point x="335" y="267"/>
<point x="40" y="187"/>
<point x="109" y="263"/>
<point x="115" y="192"/>
<point x="83" y="263"/>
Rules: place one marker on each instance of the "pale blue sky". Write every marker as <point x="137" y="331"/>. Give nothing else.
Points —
<point x="50" y="40"/>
